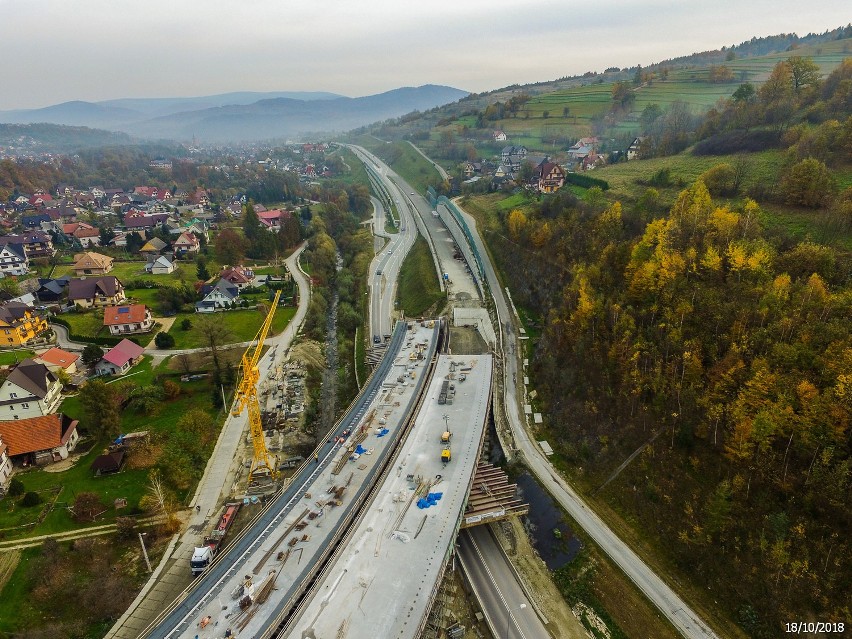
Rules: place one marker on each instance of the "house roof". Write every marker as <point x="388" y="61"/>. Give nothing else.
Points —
<point x="91" y="260"/>
<point x="12" y="312"/>
<point x="123" y="352"/>
<point x="163" y="261"/>
<point x="154" y="244"/>
<point x="187" y="238"/>
<point x="37" y="433"/>
<point x="127" y="314"/>
<point x="144" y="221"/>
<point x="30" y="237"/>
<point x="34" y="377"/>
<point x="87" y="288"/>
<point x="58" y="357"/>
<point x="18" y="251"/>
<point x="236" y="275"/>
<point x="109" y="462"/>
<point x="90" y="232"/>
<point x="225" y="287"/>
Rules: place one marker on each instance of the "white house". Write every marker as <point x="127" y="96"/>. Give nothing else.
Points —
<point x="222" y="295"/>
<point x="160" y="266"/>
<point x="39" y="440"/>
<point x="13" y="260"/>
<point x="5" y="465"/>
<point x="31" y="390"/>
<point x="120" y="358"/>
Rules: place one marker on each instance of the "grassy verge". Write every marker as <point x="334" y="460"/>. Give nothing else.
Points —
<point x="418" y="289"/>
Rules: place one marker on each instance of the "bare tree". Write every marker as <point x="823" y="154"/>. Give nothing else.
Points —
<point x="215" y="335"/>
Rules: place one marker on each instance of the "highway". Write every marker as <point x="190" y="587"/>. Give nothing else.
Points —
<point x="503" y="600"/>
<point x="207" y="595"/>
<point x="384" y="269"/>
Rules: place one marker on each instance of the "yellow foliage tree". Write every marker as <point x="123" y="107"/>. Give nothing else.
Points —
<point x="517" y="222"/>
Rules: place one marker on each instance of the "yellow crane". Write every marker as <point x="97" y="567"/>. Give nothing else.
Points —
<point x="247" y="396"/>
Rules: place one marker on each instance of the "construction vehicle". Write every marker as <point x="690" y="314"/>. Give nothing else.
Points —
<point x="446" y="456"/>
<point x="203" y="556"/>
<point x="446" y="436"/>
<point x="247" y="396"/>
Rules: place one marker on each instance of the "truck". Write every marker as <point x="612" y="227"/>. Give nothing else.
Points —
<point x="203" y="556"/>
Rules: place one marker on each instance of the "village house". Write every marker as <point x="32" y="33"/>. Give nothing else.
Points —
<point x="90" y="263"/>
<point x="499" y="136"/>
<point x="30" y="390"/>
<point x="13" y="260"/>
<point x="34" y="243"/>
<point x="550" y="177"/>
<point x="186" y="243"/>
<point x="39" y="440"/>
<point x="634" y="151"/>
<point x="161" y="265"/>
<point x="152" y="248"/>
<point x="130" y="318"/>
<point x="513" y="156"/>
<point x="20" y="324"/>
<point x="86" y="234"/>
<point x="51" y="290"/>
<point x="120" y="358"/>
<point x="221" y="295"/>
<point x="101" y="291"/>
<point x="5" y="464"/>
<point x="56" y="359"/>
<point x="239" y="276"/>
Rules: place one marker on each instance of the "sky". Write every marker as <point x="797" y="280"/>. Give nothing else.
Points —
<point x="53" y="51"/>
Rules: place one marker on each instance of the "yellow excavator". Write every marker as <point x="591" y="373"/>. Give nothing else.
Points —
<point x="247" y="396"/>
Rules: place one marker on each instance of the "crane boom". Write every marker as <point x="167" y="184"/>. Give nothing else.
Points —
<point x="247" y="396"/>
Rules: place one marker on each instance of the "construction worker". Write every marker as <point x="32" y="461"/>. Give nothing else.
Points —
<point x="316" y="458"/>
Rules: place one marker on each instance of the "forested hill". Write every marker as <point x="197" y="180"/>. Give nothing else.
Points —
<point x="54" y="138"/>
<point x="714" y="340"/>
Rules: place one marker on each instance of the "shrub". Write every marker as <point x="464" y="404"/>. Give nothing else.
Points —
<point x="808" y="183"/>
<point x="16" y="487"/>
<point x="30" y="499"/>
<point x="731" y="142"/>
<point x="164" y="340"/>
<point x="186" y="324"/>
<point x="585" y="181"/>
<point x="720" y="180"/>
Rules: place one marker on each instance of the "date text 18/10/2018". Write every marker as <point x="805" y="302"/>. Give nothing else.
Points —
<point x="802" y="627"/>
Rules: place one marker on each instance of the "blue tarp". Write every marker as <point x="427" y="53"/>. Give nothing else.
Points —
<point x="430" y="500"/>
<point x="360" y="450"/>
<point x="383" y="432"/>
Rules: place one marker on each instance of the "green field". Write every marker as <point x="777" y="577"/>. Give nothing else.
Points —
<point x="14" y="356"/>
<point x="241" y="325"/>
<point x="124" y="271"/>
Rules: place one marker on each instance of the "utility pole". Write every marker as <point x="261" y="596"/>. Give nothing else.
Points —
<point x="145" y="552"/>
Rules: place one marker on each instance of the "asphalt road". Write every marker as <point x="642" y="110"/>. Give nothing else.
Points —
<point x="669" y="603"/>
<point x="502" y="599"/>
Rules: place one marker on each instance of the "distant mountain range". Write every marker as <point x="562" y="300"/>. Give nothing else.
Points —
<point x="237" y="117"/>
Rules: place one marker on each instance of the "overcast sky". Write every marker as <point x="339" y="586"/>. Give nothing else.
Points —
<point x="57" y="50"/>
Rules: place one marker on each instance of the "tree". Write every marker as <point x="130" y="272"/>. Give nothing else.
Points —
<point x="808" y="183"/>
<point x="185" y="324"/>
<point x="650" y="114"/>
<point x="87" y="506"/>
<point x="744" y="93"/>
<point x="164" y="340"/>
<point x="16" y="487"/>
<point x="134" y="242"/>
<point x="101" y="406"/>
<point x="214" y="334"/>
<point x="545" y="114"/>
<point x="622" y="94"/>
<point x="201" y="271"/>
<point x="230" y="246"/>
<point x="92" y="354"/>
<point x="803" y="72"/>
<point x="106" y="236"/>
<point x="146" y="399"/>
<point x="159" y="501"/>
